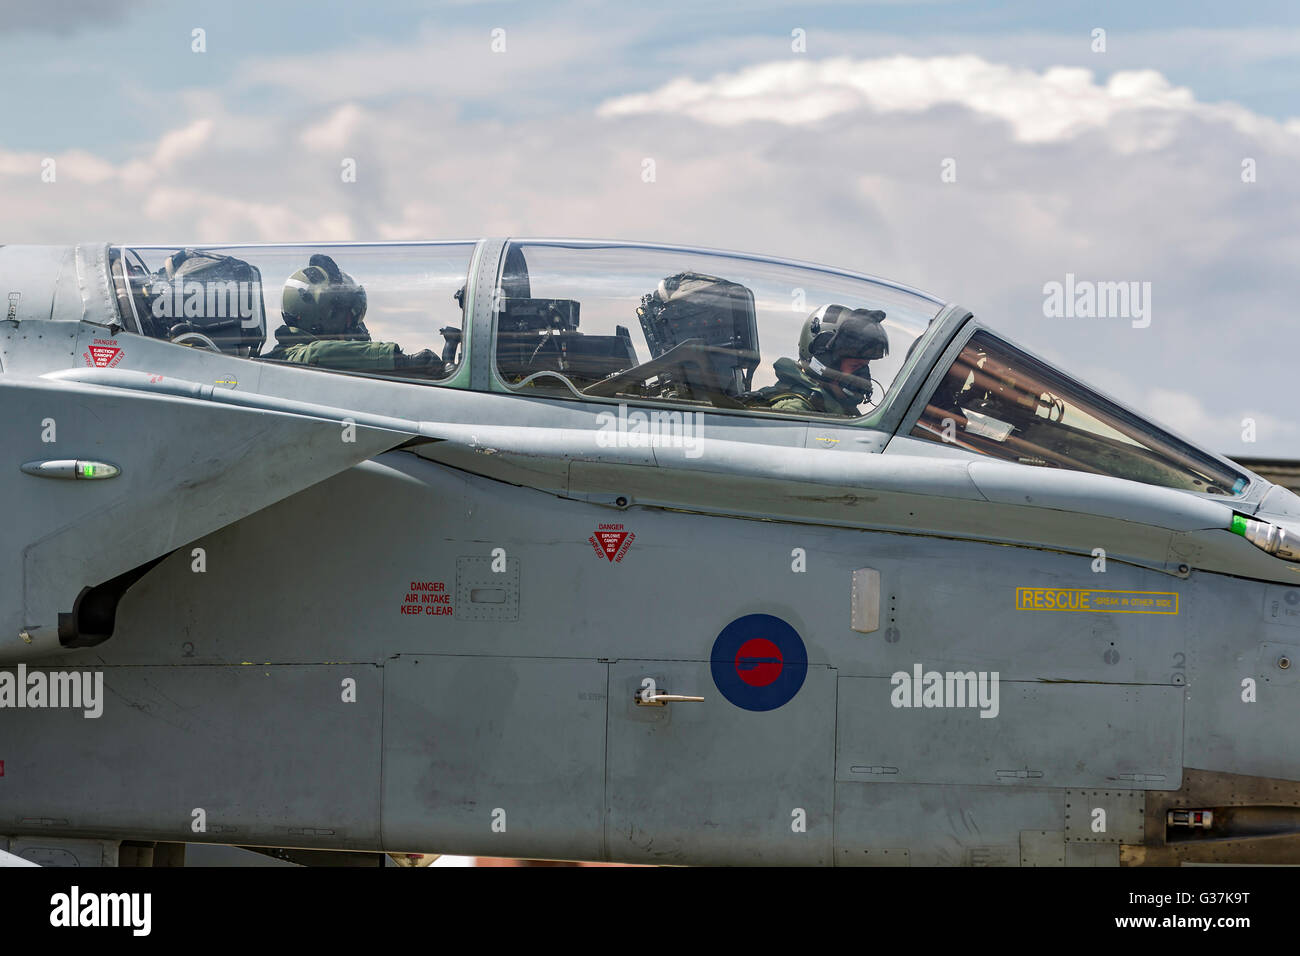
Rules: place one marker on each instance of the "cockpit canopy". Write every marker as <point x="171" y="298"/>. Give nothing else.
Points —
<point x="638" y="323"/>
<point x="608" y="322"/>
<point x="998" y="400"/>
<point x="405" y="302"/>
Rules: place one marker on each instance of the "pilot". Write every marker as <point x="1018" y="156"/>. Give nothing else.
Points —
<point x="832" y="375"/>
<point x="323" y="308"/>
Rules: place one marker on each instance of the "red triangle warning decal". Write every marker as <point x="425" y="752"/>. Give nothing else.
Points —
<point x="611" y="541"/>
<point x="103" y="355"/>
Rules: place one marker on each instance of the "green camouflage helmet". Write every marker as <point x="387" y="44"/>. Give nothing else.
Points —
<point x="323" y="300"/>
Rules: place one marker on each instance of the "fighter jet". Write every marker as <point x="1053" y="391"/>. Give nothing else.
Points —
<point x="592" y="550"/>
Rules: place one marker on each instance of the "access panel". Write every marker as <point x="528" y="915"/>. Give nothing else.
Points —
<point x="713" y="782"/>
<point x="499" y="756"/>
<point x="983" y="730"/>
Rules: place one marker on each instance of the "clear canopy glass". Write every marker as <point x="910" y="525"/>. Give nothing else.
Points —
<point x="1001" y="402"/>
<point x="660" y="324"/>
<point x="386" y="309"/>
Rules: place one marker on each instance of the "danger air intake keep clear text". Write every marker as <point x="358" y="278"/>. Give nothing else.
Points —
<point x="427" y="597"/>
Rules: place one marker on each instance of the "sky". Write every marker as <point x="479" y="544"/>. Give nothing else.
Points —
<point x="980" y="151"/>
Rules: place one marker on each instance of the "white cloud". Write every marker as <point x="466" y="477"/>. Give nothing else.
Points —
<point x="207" y="215"/>
<point x="71" y="166"/>
<point x="181" y="143"/>
<point x="335" y="131"/>
<point x="1057" y="104"/>
<point x="1221" y="426"/>
<point x="173" y="147"/>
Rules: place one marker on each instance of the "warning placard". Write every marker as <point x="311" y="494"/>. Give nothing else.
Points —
<point x="611" y="541"/>
<point x="427" y="597"/>
<point x="1087" y="599"/>
<point x="103" y="353"/>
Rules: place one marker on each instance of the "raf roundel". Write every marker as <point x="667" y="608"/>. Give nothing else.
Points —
<point x="759" y="662"/>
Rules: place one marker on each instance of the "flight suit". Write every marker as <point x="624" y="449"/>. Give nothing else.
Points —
<point x="350" y="355"/>
<point x="797" y="391"/>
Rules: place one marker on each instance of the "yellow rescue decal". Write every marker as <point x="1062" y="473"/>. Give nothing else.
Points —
<point x="1074" y="599"/>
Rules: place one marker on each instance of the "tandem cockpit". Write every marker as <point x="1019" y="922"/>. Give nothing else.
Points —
<point x="723" y="334"/>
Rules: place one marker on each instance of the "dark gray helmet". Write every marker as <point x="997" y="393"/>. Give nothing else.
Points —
<point x="836" y="332"/>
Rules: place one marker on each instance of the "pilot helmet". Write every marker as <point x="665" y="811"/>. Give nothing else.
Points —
<point x="323" y="300"/>
<point x="836" y="332"/>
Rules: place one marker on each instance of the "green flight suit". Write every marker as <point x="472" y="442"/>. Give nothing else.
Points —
<point x="349" y="355"/>
<point x="796" y="391"/>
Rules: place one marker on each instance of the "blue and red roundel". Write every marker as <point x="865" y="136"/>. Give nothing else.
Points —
<point x="759" y="662"/>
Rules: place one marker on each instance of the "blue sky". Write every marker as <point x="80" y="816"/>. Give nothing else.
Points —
<point x="1125" y="165"/>
<point x="80" y="73"/>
